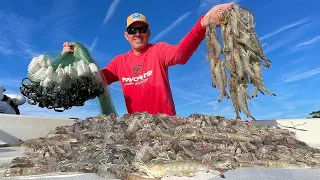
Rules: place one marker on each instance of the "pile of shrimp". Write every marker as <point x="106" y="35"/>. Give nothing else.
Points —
<point x="243" y="58"/>
<point x="142" y="145"/>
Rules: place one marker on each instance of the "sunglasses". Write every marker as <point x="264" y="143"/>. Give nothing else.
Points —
<point x="133" y="30"/>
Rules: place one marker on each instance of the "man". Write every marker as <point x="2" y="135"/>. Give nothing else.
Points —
<point x="143" y="71"/>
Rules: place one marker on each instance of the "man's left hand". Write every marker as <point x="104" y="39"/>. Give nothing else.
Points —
<point x="217" y="13"/>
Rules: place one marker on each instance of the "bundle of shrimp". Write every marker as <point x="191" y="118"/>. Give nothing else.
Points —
<point x="243" y="58"/>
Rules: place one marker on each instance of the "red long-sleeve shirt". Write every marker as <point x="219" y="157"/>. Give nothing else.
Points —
<point x="144" y="78"/>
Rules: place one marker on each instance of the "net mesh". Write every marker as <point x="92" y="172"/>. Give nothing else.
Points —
<point x="65" y="81"/>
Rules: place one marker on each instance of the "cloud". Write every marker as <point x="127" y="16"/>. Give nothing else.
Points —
<point x="4" y="44"/>
<point x="206" y="5"/>
<point x="187" y="95"/>
<point x="185" y="98"/>
<point x="13" y="24"/>
<point x="290" y="26"/>
<point x="185" y="77"/>
<point x="304" y="75"/>
<point x="59" y="34"/>
<point x="289" y="102"/>
<point x="94" y="43"/>
<point x="3" y="72"/>
<point x="299" y="103"/>
<point x="57" y="22"/>
<point x="28" y="49"/>
<point x="194" y="101"/>
<point x="111" y="10"/>
<point x="15" y="31"/>
<point x="174" y="24"/>
<point x="60" y="10"/>
<point x="292" y="35"/>
<point x="305" y="44"/>
<point x="294" y="62"/>
<point x="115" y="86"/>
<point x="11" y="82"/>
<point x="284" y="96"/>
<point x="283" y="115"/>
<point x="283" y="108"/>
<point x="295" y="107"/>
<point x="18" y="32"/>
<point x="76" y="112"/>
<point x="295" y="115"/>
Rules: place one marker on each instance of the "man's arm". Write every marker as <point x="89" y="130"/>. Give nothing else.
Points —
<point x="110" y="72"/>
<point x="181" y="53"/>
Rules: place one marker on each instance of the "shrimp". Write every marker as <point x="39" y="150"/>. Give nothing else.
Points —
<point x="220" y="77"/>
<point x="242" y="101"/>
<point x="177" y="168"/>
<point x="233" y="94"/>
<point x="213" y="45"/>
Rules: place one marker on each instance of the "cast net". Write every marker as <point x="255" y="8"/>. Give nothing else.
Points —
<point x="65" y="81"/>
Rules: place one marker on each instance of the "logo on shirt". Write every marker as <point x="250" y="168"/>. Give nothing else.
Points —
<point x="137" y="80"/>
<point x="137" y="69"/>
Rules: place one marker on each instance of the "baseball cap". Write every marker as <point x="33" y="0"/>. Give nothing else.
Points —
<point x="136" y="17"/>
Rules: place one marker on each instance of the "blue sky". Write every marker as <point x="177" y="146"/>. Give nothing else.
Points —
<point x="289" y="31"/>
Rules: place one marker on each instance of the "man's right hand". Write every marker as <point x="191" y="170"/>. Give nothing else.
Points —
<point x="217" y="13"/>
<point x="68" y="47"/>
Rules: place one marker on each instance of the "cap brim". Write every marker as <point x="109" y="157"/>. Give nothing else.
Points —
<point x="138" y="21"/>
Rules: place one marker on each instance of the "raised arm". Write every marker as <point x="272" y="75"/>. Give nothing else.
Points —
<point x="181" y="53"/>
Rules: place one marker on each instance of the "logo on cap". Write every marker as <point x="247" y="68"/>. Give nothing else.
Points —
<point x="136" y="16"/>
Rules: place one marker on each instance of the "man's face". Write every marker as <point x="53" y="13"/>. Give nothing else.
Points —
<point x="140" y="38"/>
